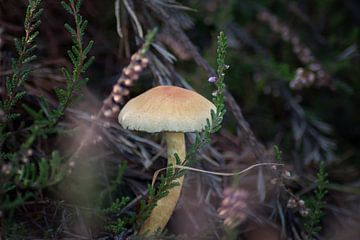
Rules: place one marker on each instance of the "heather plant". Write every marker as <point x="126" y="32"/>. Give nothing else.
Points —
<point x="25" y="48"/>
<point x="78" y="55"/>
<point x="26" y="169"/>
<point x="16" y="172"/>
<point x="116" y="223"/>
<point x="316" y="205"/>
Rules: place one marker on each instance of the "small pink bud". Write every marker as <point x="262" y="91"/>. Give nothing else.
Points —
<point x="304" y="212"/>
<point x="137" y="68"/>
<point x="274" y="181"/>
<point x="292" y="203"/>
<point x="128" y="83"/>
<point x="127" y="71"/>
<point x="25" y="159"/>
<point x="117" y="88"/>
<point x="125" y="92"/>
<point x="115" y="108"/>
<point x="135" y="57"/>
<point x="287" y="174"/>
<point x="117" y="98"/>
<point x="144" y="62"/>
<point x="212" y="79"/>
<point x="30" y="152"/>
<point x="107" y="113"/>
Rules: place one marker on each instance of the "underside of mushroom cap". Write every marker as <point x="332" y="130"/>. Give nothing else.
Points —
<point x="166" y="108"/>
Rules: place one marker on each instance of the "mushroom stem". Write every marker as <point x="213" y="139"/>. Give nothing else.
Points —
<point x="161" y="214"/>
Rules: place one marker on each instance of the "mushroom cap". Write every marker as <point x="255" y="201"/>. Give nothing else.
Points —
<point x="166" y="108"/>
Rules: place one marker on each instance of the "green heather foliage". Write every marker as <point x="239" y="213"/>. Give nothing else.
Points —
<point x="25" y="48"/>
<point x="118" y="225"/>
<point x="316" y="205"/>
<point x="29" y="180"/>
<point x="115" y="221"/>
<point x="278" y="154"/>
<point x="78" y="55"/>
<point x="27" y="176"/>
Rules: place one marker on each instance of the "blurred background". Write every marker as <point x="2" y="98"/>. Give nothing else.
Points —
<point x="292" y="82"/>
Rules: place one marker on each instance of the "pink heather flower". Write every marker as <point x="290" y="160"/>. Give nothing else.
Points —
<point x="212" y="79"/>
<point x="233" y="206"/>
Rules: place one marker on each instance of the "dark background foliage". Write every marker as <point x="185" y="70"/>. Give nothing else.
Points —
<point x="293" y="82"/>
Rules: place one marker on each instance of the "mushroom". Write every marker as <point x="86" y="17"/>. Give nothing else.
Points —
<point x="173" y="111"/>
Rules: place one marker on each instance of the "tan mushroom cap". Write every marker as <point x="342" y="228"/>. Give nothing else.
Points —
<point x="166" y="108"/>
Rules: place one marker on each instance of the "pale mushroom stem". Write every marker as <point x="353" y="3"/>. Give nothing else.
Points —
<point x="161" y="214"/>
